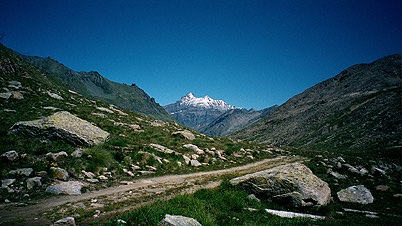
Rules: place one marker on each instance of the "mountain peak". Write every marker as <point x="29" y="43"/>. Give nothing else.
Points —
<point x="205" y="102"/>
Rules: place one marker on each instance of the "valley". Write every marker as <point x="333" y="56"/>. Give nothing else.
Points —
<point x="76" y="145"/>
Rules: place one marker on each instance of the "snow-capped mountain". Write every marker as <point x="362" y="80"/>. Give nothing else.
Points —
<point x="197" y="112"/>
<point x="204" y="102"/>
<point x="212" y="117"/>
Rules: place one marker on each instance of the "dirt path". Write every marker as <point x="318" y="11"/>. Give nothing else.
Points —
<point x="103" y="203"/>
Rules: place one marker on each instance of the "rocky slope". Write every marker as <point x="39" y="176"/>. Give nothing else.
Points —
<point x="234" y="120"/>
<point x="93" y="85"/>
<point x="359" y="109"/>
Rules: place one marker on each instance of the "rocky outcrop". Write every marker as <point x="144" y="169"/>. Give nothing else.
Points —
<point x="356" y="194"/>
<point x="62" y="125"/>
<point x="177" y="220"/>
<point x="292" y="184"/>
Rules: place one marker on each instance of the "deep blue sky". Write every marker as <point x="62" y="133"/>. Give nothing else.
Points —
<point x="251" y="54"/>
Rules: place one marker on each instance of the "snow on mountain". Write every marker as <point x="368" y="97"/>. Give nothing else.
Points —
<point x="204" y="102"/>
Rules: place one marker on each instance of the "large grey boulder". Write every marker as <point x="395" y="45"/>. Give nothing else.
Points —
<point x="177" y="220"/>
<point x="62" y="125"/>
<point x="292" y="184"/>
<point x="356" y="194"/>
<point x="66" y="187"/>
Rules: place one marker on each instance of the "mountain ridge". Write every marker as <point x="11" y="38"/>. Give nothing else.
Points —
<point x="354" y="110"/>
<point x="94" y="85"/>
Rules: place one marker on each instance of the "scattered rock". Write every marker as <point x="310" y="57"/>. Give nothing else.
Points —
<point x="6" y="95"/>
<point x="378" y="171"/>
<point x="282" y="180"/>
<point x="50" y="108"/>
<point x="253" y="198"/>
<point x="14" y="85"/>
<point x="356" y="194"/>
<point x="62" y="125"/>
<point x="397" y="195"/>
<point x="184" y="134"/>
<point x="105" y="110"/>
<point x="55" y="95"/>
<point x="7" y="182"/>
<point x="337" y="175"/>
<point x="177" y="220"/>
<point x="93" y="180"/>
<point x="195" y="163"/>
<point x="77" y="153"/>
<point x="66" y="187"/>
<point x="22" y="171"/>
<point x="193" y="147"/>
<point x="288" y="214"/>
<point x="10" y="155"/>
<point x="363" y="172"/>
<point x="17" y="95"/>
<point x="382" y="188"/>
<point x="68" y="221"/>
<point x="59" y="173"/>
<point x="57" y="156"/>
<point x="186" y="159"/>
<point x="33" y="182"/>
<point x="102" y="177"/>
<point x="162" y="149"/>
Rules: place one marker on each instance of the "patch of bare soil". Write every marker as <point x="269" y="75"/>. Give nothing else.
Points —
<point x="102" y="204"/>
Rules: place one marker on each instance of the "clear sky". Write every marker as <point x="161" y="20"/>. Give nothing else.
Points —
<point x="252" y="54"/>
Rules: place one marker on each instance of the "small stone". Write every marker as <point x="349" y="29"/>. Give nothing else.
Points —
<point x="101" y="177"/>
<point x="68" y="221"/>
<point x="177" y="220"/>
<point x="77" y="153"/>
<point x="382" y="188"/>
<point x="186" y="159"/>
<point x="10" y="155"/>
<point x="89" y="175"/>
<point x="7" y="182"/>
<point x="22" y="171"/>
<point x="397" y="195"/>
<point x="356" y="194"/>
<point x="253" y="198"/>
<point x="17" y="95"/>
<point x="184" y="134"/>
<point x="33" y="182"/>
<point x="195" y="163"/>
<point x="59" y="173"/>
<point x="54" y="95"/>
<point x="7" y="201"/>
<point x="57" y="156"/>
<point x="93" y="180"/>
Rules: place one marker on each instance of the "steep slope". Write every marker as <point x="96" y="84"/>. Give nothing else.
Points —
<point x="234" y="120"/>
<point x="93" y="85"/>
<point x="359" y="109"/>
<point x="195" y="112"/>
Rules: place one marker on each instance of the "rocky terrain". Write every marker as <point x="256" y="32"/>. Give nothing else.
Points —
<point x="357" y="110"/>
<point x="234" y="120"/>
<point x="95" y="86"/>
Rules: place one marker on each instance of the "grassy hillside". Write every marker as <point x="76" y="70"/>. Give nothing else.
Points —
<point x="95" y="86"/>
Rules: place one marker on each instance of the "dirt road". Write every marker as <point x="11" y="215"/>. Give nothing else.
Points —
<point x="110" y="201"/>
